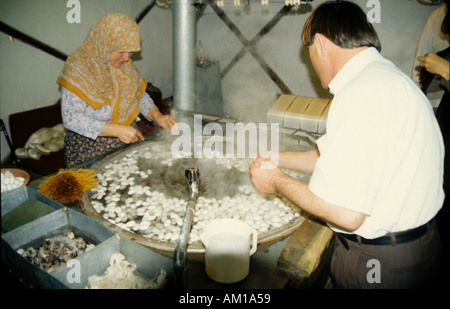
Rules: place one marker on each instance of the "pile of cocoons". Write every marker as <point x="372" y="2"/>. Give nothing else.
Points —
<point x="9" y="181"/>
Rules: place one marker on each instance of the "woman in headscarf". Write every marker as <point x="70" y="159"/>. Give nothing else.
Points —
<point x="103" y="92"/>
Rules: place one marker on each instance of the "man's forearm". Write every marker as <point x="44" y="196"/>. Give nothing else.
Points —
<point x="304" y="161"/>
<point x="298" y="192"/>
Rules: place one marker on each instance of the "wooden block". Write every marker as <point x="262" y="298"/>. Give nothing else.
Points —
<point x="323" y="119"/>
<point x="276" y="112"/>
<point x="311" y="116"/>
<point x="300" y="113"/>
<point x="303" y="251"/>
<point x="293" y="116"/>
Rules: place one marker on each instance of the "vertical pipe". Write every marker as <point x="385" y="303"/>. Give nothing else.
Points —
<point x="184" y="55"/>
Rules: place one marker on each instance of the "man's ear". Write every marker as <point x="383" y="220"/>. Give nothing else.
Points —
<point x="322" y="43"/>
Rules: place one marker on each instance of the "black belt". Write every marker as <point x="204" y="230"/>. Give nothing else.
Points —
<point x="390" y="239"/>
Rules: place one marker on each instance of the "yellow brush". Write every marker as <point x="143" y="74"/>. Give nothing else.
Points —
<point x="68" y="186"/>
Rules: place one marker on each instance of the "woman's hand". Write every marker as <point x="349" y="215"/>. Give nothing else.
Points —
<point x="126" y="134"/>
<point x="164" y="121"/>
<point x="129" y="134"/>
<point x="435" y="65"/>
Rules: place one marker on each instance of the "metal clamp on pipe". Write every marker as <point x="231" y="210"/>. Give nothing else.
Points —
<point x="179" y="257"/>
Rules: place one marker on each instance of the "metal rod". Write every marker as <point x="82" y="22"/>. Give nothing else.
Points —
<point x="16" y="34"/>
<point x="249" y="45"/>
<point x="145" y="12"/>
<point x="180" y="253"/>
<point x="14" y="159"/>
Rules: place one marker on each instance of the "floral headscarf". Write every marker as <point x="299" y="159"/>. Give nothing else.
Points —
<point x="88" y="73"/>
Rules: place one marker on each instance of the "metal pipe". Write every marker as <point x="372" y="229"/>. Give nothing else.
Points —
<point x="14" y="159"/>
<point x="184" y="55"/>
<point x="180" y="253"/>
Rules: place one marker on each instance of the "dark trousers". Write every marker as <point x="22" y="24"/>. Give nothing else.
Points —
<point x="443" y="118"/>
<point x="414" y="264"/>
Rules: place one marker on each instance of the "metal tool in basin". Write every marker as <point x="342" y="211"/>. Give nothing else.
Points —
<point x="179" y="257"/>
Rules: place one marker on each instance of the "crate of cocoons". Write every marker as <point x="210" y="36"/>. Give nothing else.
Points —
<point x="118" y="263"/>
<point x="36" y="249"/>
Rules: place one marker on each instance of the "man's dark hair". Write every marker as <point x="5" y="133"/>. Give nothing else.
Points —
<point x="342" y="22"/>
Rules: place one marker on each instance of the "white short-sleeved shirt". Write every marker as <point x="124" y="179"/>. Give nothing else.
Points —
<point x="383" y="152"/>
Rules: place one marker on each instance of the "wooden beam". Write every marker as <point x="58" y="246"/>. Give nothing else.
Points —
<point x="306" y="255"/>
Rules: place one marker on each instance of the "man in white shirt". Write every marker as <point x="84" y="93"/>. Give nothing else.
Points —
<point x="377" y="173"/>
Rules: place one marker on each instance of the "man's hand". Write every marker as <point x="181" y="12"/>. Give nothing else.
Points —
<point x="265" y="175"/>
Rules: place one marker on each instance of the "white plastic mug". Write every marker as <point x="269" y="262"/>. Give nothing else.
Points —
<point x="229" y="244"/>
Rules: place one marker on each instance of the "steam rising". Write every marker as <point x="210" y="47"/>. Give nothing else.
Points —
<point x="216" y="180"/>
